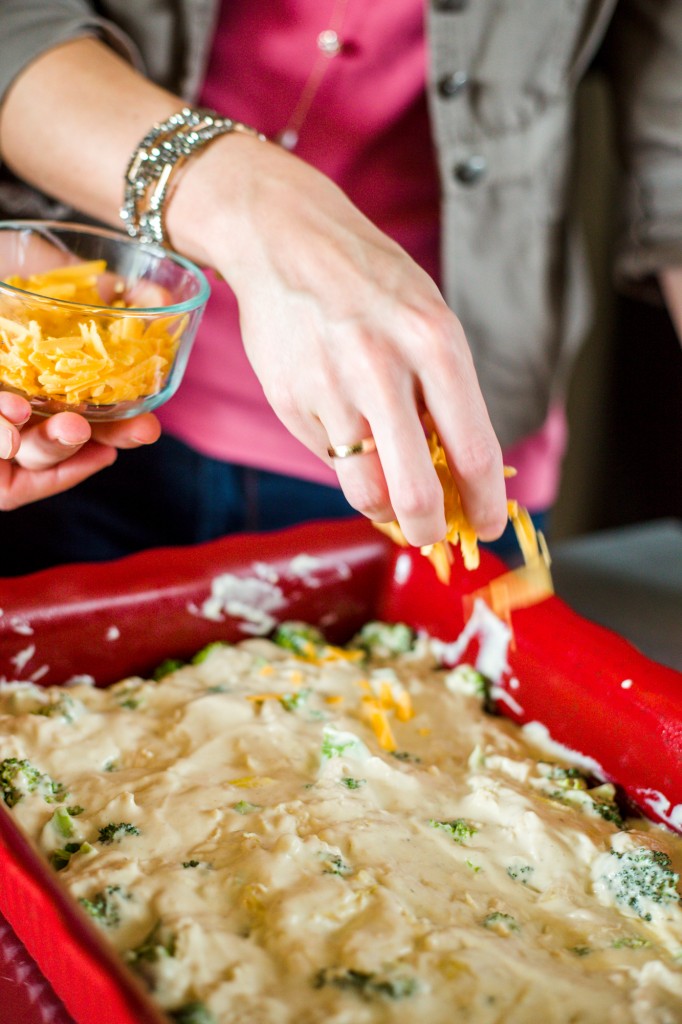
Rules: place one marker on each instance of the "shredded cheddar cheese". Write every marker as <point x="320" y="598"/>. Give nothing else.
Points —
<point x="518" y="588"/>
<point x="80" y="356"/>
<point x="458" y="530"/>
<point x="373" y="713"/>
<point x="381" y="697"/>
<point x="251" y="781"/>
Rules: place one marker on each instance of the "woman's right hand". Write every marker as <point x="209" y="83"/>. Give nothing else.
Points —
<point x="348" y="336"/>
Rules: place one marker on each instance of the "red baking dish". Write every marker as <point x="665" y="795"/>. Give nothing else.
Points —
<point x="591" y="690"/>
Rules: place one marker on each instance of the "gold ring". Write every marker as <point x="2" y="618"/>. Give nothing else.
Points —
<point x="344" y="451"/>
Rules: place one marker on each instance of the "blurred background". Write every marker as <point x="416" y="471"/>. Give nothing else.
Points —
<point x="624" y="461"/>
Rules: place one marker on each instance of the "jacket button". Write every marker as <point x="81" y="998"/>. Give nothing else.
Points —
<point x="450" y="5"/>
<point x="449" y="85"/>
<point x="471" y="170"/>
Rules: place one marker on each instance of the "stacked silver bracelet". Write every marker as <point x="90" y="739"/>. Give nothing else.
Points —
<point x="163" y="149"/>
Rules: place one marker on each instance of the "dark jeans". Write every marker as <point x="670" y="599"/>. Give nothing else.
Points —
<point x="162" y="495"/>
<point x="154" y="496"/>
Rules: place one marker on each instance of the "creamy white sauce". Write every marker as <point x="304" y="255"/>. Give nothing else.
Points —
<point x="21" y="659"/>
<point x="662" y="807"/>
<point x="304" y="567"/>
<point x="20" y="626"/>
<point x="538" y="734"/>
<point x="493" y="636"/>
<point x="248" y="598"/>
<point x="327" y="880"/>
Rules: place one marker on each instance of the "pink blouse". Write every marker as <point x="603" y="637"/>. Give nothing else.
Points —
<point x="368" y="130"/>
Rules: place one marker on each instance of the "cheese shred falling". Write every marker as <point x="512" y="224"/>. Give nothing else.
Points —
<point x="76" y="356"/>
<point x="517" y="588"/>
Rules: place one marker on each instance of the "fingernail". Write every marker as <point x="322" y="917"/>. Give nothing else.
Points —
<point x="69" y="444"/>
<point x="6" y="443"/>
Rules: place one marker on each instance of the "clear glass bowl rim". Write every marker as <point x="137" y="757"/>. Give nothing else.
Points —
<point x="158" y="251"/>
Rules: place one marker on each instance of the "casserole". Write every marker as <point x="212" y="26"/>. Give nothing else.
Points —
<point x="562" y="672"/>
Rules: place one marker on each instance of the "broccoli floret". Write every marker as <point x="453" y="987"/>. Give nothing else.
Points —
<point x="18" y="778"/>
<point x="114" y="833"/>
<point x="131" y="703"/>
<point x="335" y="865"/>
<point x="640" y="879"/>
<point x="338" y="744"/>
<point x="293" y="701"/>
<point x="564" y="778"/>
<point x="504" y="924"/>
<point x="385" y="639"/>
<point x="66" y="708"/>
<point x="574" y="788"/>
<point x="159" y="945"/>
<point x="60" y="859"/>
<point x="245" y="807"/>
<point x="63" y="822"/>
<point x="351" y="783"/>
<point x="192" y="1013"/>
<point x="405" y="755"/>
<point x="520" y="872"/>
<point x="167" y="666"/>
<point x="203" y="654"/>
<point x="459" y="829"/>
<point x="631" y="942"/>
<point x="105" y="906"/>
<point x="468" y="680"/>
<point x="609" y="812"/>
<point x="304" y="640"/>
<point x="368" y="985"/>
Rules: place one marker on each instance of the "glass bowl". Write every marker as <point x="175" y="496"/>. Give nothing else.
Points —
<point x="92" y="321"/>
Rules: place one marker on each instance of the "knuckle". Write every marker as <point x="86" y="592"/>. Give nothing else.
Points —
<point x="372" y="365"/>
<point x="281" y="397"/>
<point x="478" y="459"/>
<point x="419" y="500"/>
<point x="435" y="332"/>
<point x="366" y="497"/>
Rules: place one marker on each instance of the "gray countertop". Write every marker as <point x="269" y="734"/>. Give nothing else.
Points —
<point x="630" y="580"/>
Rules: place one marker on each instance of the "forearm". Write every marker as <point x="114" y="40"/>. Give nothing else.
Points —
<point x="671" y="286"/>
<point x="72" y="119"/>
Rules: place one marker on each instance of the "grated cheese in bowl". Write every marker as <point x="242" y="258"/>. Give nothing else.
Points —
<point x="93" y="322"/>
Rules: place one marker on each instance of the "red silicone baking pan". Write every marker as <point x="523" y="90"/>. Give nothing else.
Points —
<point x="592" y="691"/>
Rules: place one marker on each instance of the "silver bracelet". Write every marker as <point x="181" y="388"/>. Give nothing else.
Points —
<point x="163" y="149"/>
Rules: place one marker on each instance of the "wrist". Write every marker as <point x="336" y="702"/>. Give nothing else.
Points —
<point x="156" y="161"/>
<point x="206" y="209"/>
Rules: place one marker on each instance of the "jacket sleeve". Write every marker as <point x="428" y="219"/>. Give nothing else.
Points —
<point x="30" y="27"/>
<point x="644" y="62"/>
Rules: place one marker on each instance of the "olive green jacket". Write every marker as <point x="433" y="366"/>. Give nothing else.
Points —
<point x="501" y="88"/>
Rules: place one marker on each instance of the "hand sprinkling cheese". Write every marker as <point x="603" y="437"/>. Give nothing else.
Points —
<point x="516" y="589"/>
